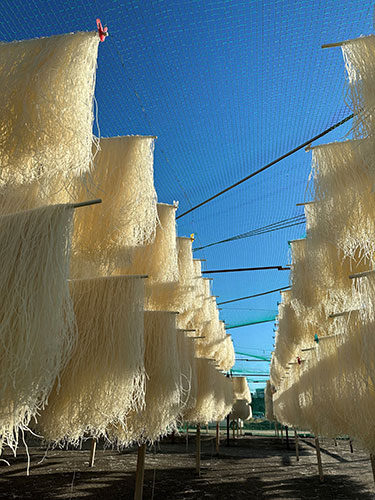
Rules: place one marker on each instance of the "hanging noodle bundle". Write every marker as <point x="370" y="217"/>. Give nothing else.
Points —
<point x="159" y="259"/>
<point x="205" y="409"/>
<point x="241" y="409"/>
<point x="163" y="386"/>
<point x="105" y="376"/>
<point x="176" y="296"/>
<point x="223" y="397"/>
<point x="123" y="177"/>
<point x="37" y="328"/>
<point x="359" y="61"/>
<point x="344" y="177"/>
<point x="186" y="354"/>
<point x="46" y="117"/>
<point x="268" y="402"/>
<point x="241" y="389"/>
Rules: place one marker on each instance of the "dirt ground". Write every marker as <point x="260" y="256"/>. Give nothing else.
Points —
<point x="253" y="467"/>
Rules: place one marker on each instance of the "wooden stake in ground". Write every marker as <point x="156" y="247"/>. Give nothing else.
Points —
<point x="228" y="430"/>
<point x="282" y="433"/>
<point x="372" y="458"/>
<point x="92" y="452"/>
<point x="297" y="446"/>
<point x="319" y="458"/>
<point x="198" y="451"/>
<point x="138" y="494"/>
<point x="234" y="429"/>
<point x="335" y="441"/>
<point x="351" y="446"/>
<point x="217" y="437"/>
<point x="287" y="437"/>
<point x="238" y="427"/>
<point x="187" y="437"/>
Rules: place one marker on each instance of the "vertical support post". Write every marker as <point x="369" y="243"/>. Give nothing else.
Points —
<point x="372" y="458"/>
<point x="140" y="473"/>
<point x="92" y="452"/>
<point x="228" y="430"/>
<point x="238" y="427"/>
<point x="198" y="451"/>
<point x="172" y="436"/>
<point x="287" y="437"/>
<point x="319" y="458"/>
<point x="297" y="444"/>
<point x="351" y="445"/>
<point x="234" y="429"/>
<point x="187" y="437"/>
<point x="282" y="433"/>
<point x="275" y="428"/>
<point x="217" y="437"/>
<point x="335" y="441"/>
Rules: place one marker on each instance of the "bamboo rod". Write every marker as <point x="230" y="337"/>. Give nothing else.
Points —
<point x="198" y="451"/>
<point x="343" y="313"/>
<point x="319" y="459"/>
<point x="86" y="203"/>
<point x="335" y="44"/>
<point x="305" y="202"/>
<point x="364" y="274"/>
<point x="307" y="349"/>
<point x="92" y="452"/>
<point x="138" y="494"/>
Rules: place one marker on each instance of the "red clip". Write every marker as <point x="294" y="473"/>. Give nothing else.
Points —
<point x="103" y="32"/>
<point x="298" y="360"/>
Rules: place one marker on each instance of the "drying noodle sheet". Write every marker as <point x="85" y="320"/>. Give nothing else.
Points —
<point x="241" y="389"/>
<point x="123" y="177"/>
<point x="105" y="377"/>
<point x="46" y="117"/>
<point x="159" y="259"/>
<point x="208" y="403"/>
<point x="37" y="329"/>
<point x="164" y="394"/>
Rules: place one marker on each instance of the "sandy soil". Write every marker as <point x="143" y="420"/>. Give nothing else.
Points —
<point x="253" y="467"/>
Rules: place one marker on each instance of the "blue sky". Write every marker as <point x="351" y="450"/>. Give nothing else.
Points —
<point x="227" y="86"/>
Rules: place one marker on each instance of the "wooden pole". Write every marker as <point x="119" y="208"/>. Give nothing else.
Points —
<point x="92" y="452"/>
<point x="287" y="437"/>
<point x="372" y="458"/>
<point x="140" y="474"/>
<point x="234" y="429"/>
<point x="319" y="458"/>
<point x="351" y="446"/>
<point x="217" y="437"/>
<point x="198" y="451"/>
<point x="297" y="446"/>
<point x="227" y="430"/>
<point x="335" y="441"/>
<point x="187" y="437"/>
<point x="238" y="427"/>
<point x="282" y="433"/>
